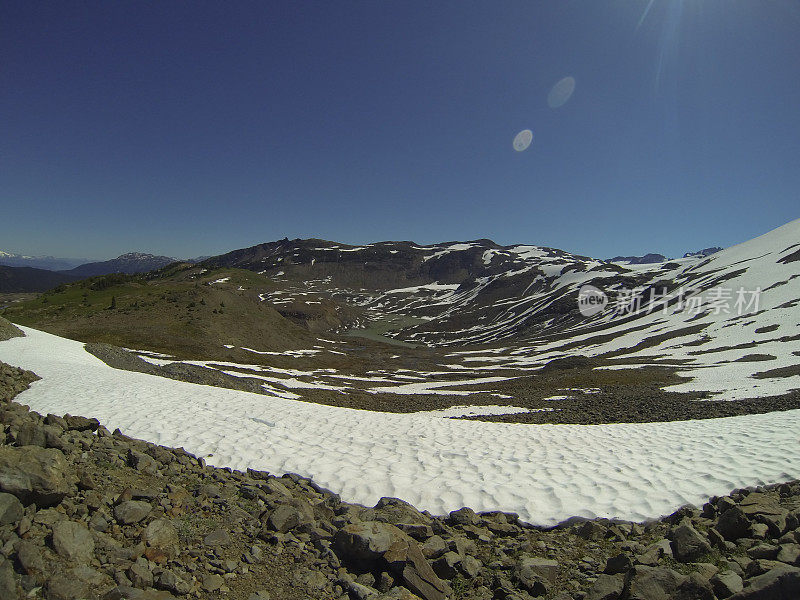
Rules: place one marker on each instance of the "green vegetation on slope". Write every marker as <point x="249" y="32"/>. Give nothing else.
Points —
<point x="181" y="310"/>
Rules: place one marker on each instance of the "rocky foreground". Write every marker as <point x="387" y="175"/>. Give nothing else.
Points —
<point x="87" y="513"/>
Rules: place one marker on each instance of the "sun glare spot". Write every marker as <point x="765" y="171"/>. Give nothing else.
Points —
<point x="561" y="92"/>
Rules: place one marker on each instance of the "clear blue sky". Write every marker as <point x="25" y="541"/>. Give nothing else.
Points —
<point x="188" y="128"/>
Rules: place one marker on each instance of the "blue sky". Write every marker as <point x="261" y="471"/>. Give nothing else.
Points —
<point x="189" y="128"/>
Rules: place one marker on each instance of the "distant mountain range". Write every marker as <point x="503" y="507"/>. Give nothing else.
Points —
<point x="379" y="265"/>
<point x="28" y="279"/>
<point x="132" y="262"/>
<point x="50" y="263"/>
<point x="18" y="273"/>
<point x="652" y="258"/>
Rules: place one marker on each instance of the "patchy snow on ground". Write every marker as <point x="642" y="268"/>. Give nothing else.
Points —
<point x="454" y="412"/>
<point x="435" y="387"/>
<point x="546" y="473"/>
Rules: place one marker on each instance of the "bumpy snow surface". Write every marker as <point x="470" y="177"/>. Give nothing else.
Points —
<point x="546" y="473"/>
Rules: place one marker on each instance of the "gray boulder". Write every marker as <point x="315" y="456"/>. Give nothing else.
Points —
<point x="654" y="583"/>
<point x="373" y="545"/>
<point x="726" y="583"/>
<point x="464" y="516"/>
<point x="11" y="510"/>
<point x="131" y="511"/>
<point x="129" y="593"/>
<point x="621" y="563"/>
<point x="64" y="587"/>
<point x="734" y="524"/>
<point x="218" y="537"/>
<point x="781" y="583"/>
<point x="161" y="540"/>
<point x="30" y="558"/>
<point x="73" y="541"/>
<point x="688" y="544"/>
<point x="34" y="474"/>
<point x="8" y="584"/>
<point x="607" y="587"/>
<point x="396" y="512"/>
<point x="446" y="566"/>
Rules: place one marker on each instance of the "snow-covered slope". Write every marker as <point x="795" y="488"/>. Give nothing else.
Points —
<point x="546" y="473"/>
<point x="730" y="323"/>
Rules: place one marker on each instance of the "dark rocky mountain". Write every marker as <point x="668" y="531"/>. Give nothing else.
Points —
<point x="476" y="291"/>
<point x="27" y="279"/>
<point x="133" y="262"/>
<point x="703" y="253"/>
<point x="49" y="263"/>
<point x="641" y="260"/>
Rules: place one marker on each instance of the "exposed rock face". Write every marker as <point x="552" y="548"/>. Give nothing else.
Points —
<point x="374" y="545"/>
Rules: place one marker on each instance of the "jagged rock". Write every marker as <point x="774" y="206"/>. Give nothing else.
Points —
<point x="128" y="593"/>
<point x="10" y="509"/>
<point x="63" y="587"/>
<point x="285" y="518"/>
<point x="170" y="581"/>
<point x="760" y="566"/>
<point x="789" y="554"/>
<point x="469" y="566"/>
<point x="367" y="545"/>
<point x="73" y="541"/>
<point x="781" y="583"/>
<point x="78" y="423"/>
<point x="140" y="575"/>
<point x="131" y="511"/>
<point x="396" y="512"/>
<point x="362" y="545"/>
<point x="688" y="544"/>
<point x="653" y="583"/>
<point x="31" y="434"/>
<point x="734" y="524"/>
<point x="218" y="537"/>
<point x="161" y="540"/>
<point x="398" y="593"/>
<point x="209" y="490"/>
<point x="654" y="553"/>
<point x="536" y="575"/>
<point x="767" y="551"/>
<point x="607" y="587"/>
<point x="434" y="547"/>
<point x="694" y="587"/>
<point x="446" y="565"/>
<point x="726" y="583"/>
<point x="142" y="462"/>
<point x="34" y="474"/>
<point x="621" y="563"/>
<point x="212" y="582"/>
<point x="591" y="530"/>
<point x="30" y="558"/>
<point x="543" y="567"/>
<point x="464" y="516"/>
<point x="8" y="584"/>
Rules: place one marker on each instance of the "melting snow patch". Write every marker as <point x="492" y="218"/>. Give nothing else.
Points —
<point x="474" y="411"/>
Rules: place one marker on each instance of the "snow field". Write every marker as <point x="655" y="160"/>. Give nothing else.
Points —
<point x="546" y="473"/>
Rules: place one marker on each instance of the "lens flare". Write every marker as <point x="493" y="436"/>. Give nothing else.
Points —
<point x="522" y="140"/>
<point x="561" y="92"/>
